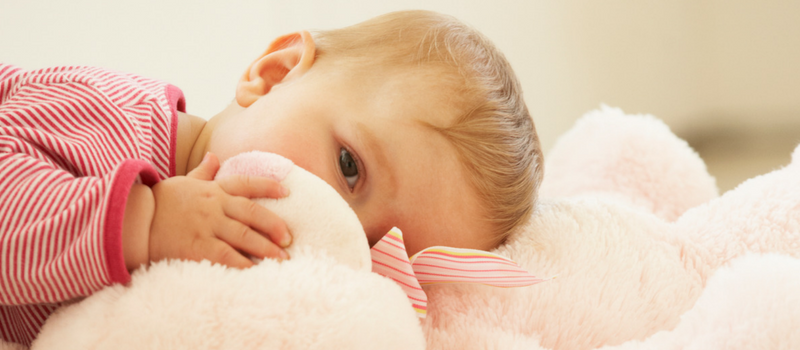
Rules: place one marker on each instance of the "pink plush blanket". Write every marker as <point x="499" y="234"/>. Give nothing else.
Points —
<point x="647" y="255"/>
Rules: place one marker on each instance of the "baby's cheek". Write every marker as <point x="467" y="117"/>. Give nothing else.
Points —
<point x="227" y="141"/>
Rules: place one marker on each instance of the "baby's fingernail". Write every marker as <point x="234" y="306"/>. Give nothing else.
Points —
<point x="284" y="191"/>
<point x="283" y="255"/>
<point x="205" y="158"/>
<point x="286" y="240"/>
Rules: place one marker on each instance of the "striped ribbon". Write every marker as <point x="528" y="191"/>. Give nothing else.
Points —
<point x="443" y="265"/>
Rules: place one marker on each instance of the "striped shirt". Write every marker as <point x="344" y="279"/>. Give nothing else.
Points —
<point x="73" y="140"/>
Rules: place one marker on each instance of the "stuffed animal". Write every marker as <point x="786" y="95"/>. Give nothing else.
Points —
<point x="631" y="223"/>
<point x="647" y="255"/>
<point x="325" y="296"/>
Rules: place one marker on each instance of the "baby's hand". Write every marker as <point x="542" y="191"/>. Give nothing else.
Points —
<point x="198" y="218"/>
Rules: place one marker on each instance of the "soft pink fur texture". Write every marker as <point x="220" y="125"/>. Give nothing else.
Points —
<point x="630" y="223"/>
<point x="647" y="255"/>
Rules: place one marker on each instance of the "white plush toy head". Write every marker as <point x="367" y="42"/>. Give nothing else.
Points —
<point x="317" y="216"/>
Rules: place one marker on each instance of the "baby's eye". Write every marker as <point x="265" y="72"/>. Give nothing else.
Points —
<point x="349" y="167"/>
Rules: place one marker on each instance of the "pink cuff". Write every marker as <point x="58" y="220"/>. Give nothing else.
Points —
<point x="124" y="178"/>
<point x="177" y="103"/>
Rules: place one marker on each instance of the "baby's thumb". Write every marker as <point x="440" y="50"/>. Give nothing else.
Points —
<point x="207" y="169"/>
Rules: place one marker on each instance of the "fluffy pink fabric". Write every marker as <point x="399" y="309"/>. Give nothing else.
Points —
<point x="258" y="164"/>
<point x="614" y="183"/>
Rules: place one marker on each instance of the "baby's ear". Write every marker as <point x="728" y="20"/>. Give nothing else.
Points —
<point x="287" y="58"/>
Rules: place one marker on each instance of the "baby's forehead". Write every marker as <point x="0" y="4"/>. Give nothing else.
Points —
<point x="428" y="85"/>
<point x="427" y="101"/>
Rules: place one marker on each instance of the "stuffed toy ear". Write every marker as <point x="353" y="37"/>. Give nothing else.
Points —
<point x="257" y="164"/>
<point x="443" y="265"/>
<point x="319" y="219"/>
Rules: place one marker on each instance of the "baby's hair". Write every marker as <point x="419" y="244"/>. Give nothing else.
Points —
<point x="494" y="136"/>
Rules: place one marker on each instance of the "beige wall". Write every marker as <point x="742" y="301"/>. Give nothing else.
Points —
<point x="723" y="74"/>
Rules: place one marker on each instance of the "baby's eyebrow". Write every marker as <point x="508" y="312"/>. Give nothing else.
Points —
<point x="374" y="147"/>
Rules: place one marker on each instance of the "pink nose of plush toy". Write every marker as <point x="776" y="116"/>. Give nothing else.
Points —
<point x="256" y="163"/>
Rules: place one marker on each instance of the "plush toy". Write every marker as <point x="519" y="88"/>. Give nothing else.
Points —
<point x="647" y="255"/>
<point x="324" y="297"/>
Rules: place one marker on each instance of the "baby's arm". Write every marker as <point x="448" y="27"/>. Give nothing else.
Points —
<point x="68" y="157"/>
<point x="71" y="146"/>
<point x="136" y="226"/>
<point x="193" y="217"/>
<point x="73" y="140"/>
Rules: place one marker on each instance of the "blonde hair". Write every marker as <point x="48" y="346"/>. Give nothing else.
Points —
<point x="494" y="136"/>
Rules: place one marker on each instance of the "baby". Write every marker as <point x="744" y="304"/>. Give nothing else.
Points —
<point x="413" y="117"/>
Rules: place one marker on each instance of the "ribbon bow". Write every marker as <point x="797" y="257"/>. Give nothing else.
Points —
<point x="442" y="265"/>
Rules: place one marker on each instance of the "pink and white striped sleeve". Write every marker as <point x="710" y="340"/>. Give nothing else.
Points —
<point x="73" y="140"/>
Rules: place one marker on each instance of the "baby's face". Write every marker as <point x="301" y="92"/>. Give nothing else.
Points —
<point x="363" y="136"/>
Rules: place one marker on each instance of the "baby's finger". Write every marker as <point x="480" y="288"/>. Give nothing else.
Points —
<point x="206" y="169"/>
<point x="244" y="238"/>
<point x="259" y="218"/>
<point x="252" y="187"/>
<point x="218" y="251"/>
